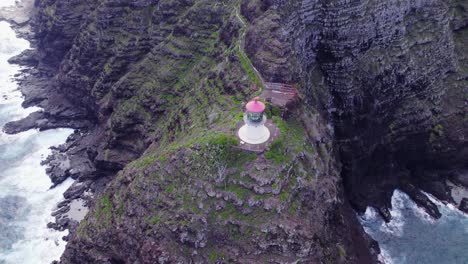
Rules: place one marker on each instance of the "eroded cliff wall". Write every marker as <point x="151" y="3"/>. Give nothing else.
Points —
<point x="392" y="77"/>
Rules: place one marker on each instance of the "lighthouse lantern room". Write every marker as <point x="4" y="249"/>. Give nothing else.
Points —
<point x="254" y="130"/>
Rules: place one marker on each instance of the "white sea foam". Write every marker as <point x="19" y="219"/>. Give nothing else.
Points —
<point x="20" y="172"/>
<point x="421" y="213"/>
<point x="412" y="236"/>
<point x="370" y="215"/>
<point x="9" y="46"/>
<point x="395" y="226"/>
<point x="25" y="176"/>
<point x="385" y="257"/>
<point x="6" y="3"/>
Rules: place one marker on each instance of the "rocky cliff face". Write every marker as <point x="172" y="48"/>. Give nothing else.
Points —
<point x="161" y="83"/>
<point x="58" y="23"/>
<point x="392" y="76"/>
<point x="178" y="204"/>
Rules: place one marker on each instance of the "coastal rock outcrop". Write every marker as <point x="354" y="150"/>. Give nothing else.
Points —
<point x="464" y="205"/>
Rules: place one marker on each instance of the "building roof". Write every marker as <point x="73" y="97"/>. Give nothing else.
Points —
<point x="255" y="106"/>
<point x="280" y="94"/>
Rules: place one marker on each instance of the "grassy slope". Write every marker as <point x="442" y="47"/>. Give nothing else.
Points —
<point x="192" y="188"/>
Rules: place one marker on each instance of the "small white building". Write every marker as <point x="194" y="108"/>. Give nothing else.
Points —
<point x="254" y="130"/>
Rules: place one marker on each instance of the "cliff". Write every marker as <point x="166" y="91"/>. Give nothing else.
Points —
<point x="156" y="88"/>
<point x="390" y="76"/>
<point x="163" y="78"/>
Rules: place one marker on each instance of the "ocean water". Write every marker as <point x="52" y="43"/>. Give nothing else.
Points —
<point x="413" y="237"/>
<point x="25" y="199"/>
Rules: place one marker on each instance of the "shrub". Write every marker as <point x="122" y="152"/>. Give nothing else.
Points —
<point x="277" y="151"/>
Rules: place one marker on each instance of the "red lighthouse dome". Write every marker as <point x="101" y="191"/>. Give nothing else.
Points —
<point x="255" y="106"/>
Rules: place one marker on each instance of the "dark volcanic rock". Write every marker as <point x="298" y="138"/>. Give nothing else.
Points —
<point x="306" y="227"/>
<point x="32" y="121"/>
<point x="385" y="213"/>
<point x="464" y="205"/>
<point x="422" y="200"/>
<point x="44" y="121"/>
<point x="391" y="77"/>
<point x="268" y="43"/>
<point x="26" y="58"/>
<point x="460" y="177"/>
<point x="76" y="190"/>
<point x="56" y="25"/>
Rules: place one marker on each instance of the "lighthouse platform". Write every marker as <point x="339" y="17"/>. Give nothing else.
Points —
<point x="258" y="148"/>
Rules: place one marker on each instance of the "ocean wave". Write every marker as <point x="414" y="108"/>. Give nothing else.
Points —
<point x="412" y="236"/>
<point x="24" y="185"/>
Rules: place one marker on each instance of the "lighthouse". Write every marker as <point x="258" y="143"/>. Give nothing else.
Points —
<point x="254" y="130"/>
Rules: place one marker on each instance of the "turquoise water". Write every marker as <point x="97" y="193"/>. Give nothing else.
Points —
<point x="413" y="237"/>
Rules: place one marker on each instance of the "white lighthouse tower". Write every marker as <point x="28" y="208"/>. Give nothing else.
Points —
<point x="254" y="130"/>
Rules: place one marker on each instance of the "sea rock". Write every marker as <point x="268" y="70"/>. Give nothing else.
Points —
<point x="76" y="190"/>
<point x="422" y="200"/>
<point x="460" y="177"/>
<point x="32" y="121"/>
<point x="464" y="205"/>
<point x="26" y="58"/>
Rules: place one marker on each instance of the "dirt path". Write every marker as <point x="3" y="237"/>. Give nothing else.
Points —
<point x="279" y="94"/>
<point x="244" y="54"/>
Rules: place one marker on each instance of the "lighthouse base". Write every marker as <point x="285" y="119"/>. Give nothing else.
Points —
<point x="254" y="134"/>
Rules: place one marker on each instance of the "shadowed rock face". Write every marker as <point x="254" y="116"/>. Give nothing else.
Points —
<point x="392" y="77"/>
<point x="57" y="24"/>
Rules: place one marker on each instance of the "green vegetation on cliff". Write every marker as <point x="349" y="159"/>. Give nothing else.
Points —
<point x="193" y="183"/>
<point x="170" y="82"/>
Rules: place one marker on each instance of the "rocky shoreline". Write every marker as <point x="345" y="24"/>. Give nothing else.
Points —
<point x="37" y="85"/>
